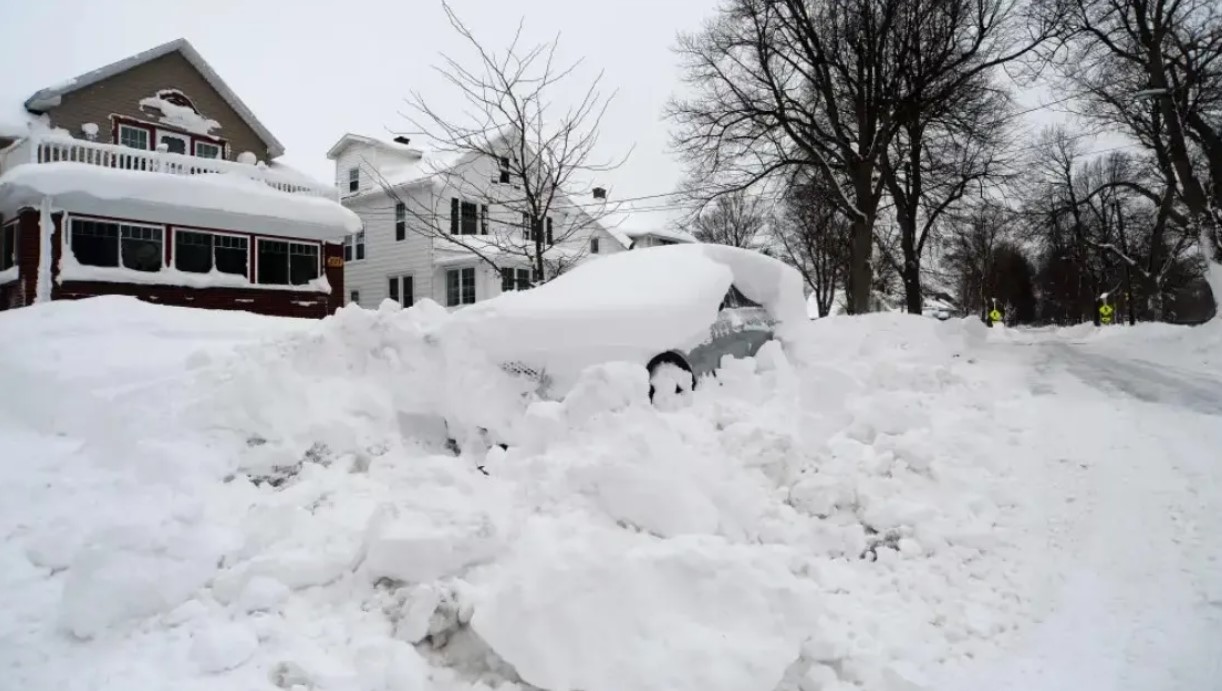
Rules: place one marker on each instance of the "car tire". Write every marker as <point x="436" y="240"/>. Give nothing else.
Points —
<point x="670" y="380"/>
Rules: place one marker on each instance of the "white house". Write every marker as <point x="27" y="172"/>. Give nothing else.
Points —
<point x="403" y="253"/>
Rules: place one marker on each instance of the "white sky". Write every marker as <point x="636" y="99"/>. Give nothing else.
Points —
<point x="313" y="69"/>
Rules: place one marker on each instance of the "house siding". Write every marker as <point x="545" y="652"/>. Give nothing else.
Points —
<point x="120" y="95"/>
<point x="385" y="256"/>
<point x="418" y="253"/>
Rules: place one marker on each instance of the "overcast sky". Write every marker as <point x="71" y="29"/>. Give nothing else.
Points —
<point x="314" y="69"/>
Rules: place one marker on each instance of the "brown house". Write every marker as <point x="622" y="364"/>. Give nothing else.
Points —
<point x="149" y="177"/>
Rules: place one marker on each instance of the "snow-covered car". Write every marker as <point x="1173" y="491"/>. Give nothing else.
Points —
<point x="676" y="310"/>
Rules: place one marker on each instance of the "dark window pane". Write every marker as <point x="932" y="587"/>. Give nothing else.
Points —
<point x="348" y="249"/>
<point x="232" y="255"/>
<point x="400" y="221"/>
<point x="454" y="216"/>
<point x="141" y="248"/>
<point x="504" y="177"/>
<point x="506" y="280"/>
<point x="468" y="286"/>
<point x="94" y="243"/>
<point x="523" y="279"/>
<point x="354" y="179"/>
<point x="355" y="297"/>
<point x="193" y="252"/>
<point x="549" y="231"/>
<point x="175" y="145"/>
<point x="470" y="218"/>
<point x="394" y="289"/>
<point x="303" y="263"/>
<point x="409" y="292"/>
<point x="452" y="295"/>
<point x="593" y="245"/>
<point x="273" y="262"/>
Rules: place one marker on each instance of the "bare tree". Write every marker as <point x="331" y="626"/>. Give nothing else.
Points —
<point x="735" y="219"/>
<point x="975" y="234"/>
<point x="813" y="237"/>
<point x="513" y="161"/>
<point x="1126" y="55"/>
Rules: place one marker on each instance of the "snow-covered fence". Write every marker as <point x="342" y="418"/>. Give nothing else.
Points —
<point x="55" y="150"/>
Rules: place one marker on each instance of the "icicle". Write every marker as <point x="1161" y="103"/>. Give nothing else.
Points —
<point x="46" y="230"/>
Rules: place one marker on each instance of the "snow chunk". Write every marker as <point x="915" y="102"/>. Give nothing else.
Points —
<point x="593" y="619"/>
<point x="407" y="546"/>
<point x="221" y="647"/>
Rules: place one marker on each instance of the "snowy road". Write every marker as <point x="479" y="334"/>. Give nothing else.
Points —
<point x="1133" y="453"/>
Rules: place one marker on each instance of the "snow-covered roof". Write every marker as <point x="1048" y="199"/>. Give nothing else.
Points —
<point x="664" y="233"/>
<point x="49" y="97"/>
<point x="211" y="201"/>
<point x="350" y="138"/>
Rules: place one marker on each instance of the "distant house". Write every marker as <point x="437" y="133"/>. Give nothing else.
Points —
<point x="149" y="177"/>
<point x="402" y="256"/>
<point x="656" y="237"/>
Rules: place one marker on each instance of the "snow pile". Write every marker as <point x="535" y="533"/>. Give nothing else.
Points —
<point x="276" y="504"/>
<point x="176" y="115"/>
<point x="208" y="201"/>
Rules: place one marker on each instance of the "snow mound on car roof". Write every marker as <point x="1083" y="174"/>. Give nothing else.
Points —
<point x="631" y="305"/>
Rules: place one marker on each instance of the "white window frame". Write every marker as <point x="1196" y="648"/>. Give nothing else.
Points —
<point x="474" y="286"/>
<point x="220" y="150"/>
<point x="251" y="257"/>
<point x="351" y="241"/>
<point x="399" y="283"/>
<point x="148" y="136"/>
<point x="354" y="176"/>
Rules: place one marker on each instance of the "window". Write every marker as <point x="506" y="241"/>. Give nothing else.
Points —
<point x="734" y="299"/>
<point x="354" y="297"/>
<point x="207" y="150"/>
<point x="504" y="170"/>
<point x="400" y="221"/>
<point x="98" y="243"/>
<point x="515" y="279"/>
<point x="198" y="252"/>
<point x="354" y="179"/>
<point x="464" y="218"/>
<point x="134" y="137"/>
<point x="534" y="230"/>
<point x="8" y="246"/>
<point x="173" y="143"/>
<point x="460" y="287"/>
<point x="287" y="263"/>
<point x="354" y="246"/>
<point x="483" y="219"/>
<point x="401" y="290"/>
<point x="593" y="245"/>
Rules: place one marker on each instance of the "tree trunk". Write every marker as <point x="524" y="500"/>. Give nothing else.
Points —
<point x="861" y="274"/>
<point x="912" y="283"/>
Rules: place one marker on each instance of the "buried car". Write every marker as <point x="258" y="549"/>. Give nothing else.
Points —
<point x="676" y="310"/>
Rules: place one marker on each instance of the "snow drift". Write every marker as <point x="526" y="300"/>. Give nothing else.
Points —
<point x="244" y="502"/>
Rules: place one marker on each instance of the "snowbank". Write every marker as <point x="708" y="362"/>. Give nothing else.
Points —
<point x="207" y="201"/>
<point x="892" y="503"/>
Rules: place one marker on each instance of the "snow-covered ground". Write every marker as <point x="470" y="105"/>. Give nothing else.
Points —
<point x="204" y="500"/>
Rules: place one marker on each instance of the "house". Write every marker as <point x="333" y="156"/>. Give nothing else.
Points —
<point x="449" y="227"/>
<point x="149" y="177"/>
<point x="656" y="237"/>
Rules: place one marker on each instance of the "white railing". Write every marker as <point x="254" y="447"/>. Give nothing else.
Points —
<point x="63" y="149"/>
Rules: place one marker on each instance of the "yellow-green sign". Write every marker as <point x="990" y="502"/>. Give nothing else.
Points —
<point x="995" y="315"/>
<point x="1106" y="310"/>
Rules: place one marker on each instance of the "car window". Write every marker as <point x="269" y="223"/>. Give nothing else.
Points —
<point x="734" y="299"/>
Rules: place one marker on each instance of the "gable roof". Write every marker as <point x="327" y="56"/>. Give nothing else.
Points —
<point x="49" y="97"/>
<point x="349" y="139"/>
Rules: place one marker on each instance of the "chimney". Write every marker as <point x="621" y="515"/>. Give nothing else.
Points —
<point x="600" y="193"/>
<point x="403" y="140"/>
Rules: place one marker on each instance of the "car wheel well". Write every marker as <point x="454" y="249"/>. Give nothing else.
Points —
<point x="670" y="357"/>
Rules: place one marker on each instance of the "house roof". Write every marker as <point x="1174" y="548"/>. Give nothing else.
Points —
<point x="49" y="97"/>
<point x="350" y="138"/>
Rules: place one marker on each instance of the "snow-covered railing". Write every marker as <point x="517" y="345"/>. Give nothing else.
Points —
<point x="61" y="149"/>
<point x="21" y="152"/>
